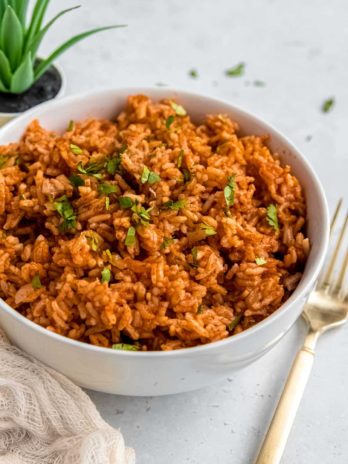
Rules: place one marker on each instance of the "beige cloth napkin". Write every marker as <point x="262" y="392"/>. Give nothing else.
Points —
<point x="46" y="419"/>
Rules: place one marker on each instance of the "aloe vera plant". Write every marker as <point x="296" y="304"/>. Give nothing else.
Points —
<point x="20" y="40"/>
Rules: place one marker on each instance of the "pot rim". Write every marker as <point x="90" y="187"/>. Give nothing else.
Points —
<point x="60" y="93"/>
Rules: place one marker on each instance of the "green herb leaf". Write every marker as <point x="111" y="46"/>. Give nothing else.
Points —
<point x="260" y="261"/>
<point x="76" y="180"/>
<point x="170" y="121"/>
<point x="194" y="254"/>
<point x="272" y="217"/>
<point x="71" y="126"/>
<point x="107" y="189"/>
<point x="91" y="169"/>
<point x="193" y="73"/>
<point x="107" y="203"/>
<point x="328" y="105"/>
<point x="106" y="275"/>
<point x="166" y="242"/>
<point x="187" y="175"/>
<point x="200" y="309"/>
<point x="75" y="149"/>
<point x="235" y="71"/>
<point x="113" y="165"/>
<point x="179" y="110"/>
<point x="66" y="211"/>
<point x="229" y="191"/>
<point x="125" y="202"/>
<point x="125" y="347"/>
<point x="259" y="83"/>
<point x="141" y="214"/>
<point x="3" y="160"/>
<point x="93" y="240"/>
<point x="130" y="237"/>
<point x="180" y="158"/>
<point x="149" y="176"/>
<point x="36" y="282"/>
<point x="209" y="230"/>
<point x="175" y="205"/>
<point x="234" y="323"/>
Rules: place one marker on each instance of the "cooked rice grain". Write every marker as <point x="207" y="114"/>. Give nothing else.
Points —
<point x="175" y="286"/>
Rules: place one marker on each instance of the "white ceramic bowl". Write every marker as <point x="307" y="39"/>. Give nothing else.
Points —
<point x="160" y="373"/>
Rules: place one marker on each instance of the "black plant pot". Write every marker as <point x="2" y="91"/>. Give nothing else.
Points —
<point x="50" y="85"/>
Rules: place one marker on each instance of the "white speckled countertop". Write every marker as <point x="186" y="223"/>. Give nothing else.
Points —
<point x="300" y="50"/>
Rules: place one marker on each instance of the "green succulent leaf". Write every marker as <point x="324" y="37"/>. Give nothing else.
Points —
<point x="23" y="77"/>
<point x="36" y="19"/>
<point x="3" y="88"/>
<point x="11" y="37"/>
<point x="34" y="44"/>
<point x="3" y="5"/>
<point x="45" y="64"/>
<point x="5" y="70"/>
<point x="20" y="7"/>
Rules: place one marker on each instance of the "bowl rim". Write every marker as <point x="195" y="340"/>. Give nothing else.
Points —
<point x="156" y="92"/>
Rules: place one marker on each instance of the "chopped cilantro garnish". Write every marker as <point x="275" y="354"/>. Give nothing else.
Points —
<point x="179" y="110"/>
<point x="260" y="261"/>
<point x="167" y="242"/>
<point x="229" y="191"/>
<point x="170" y="121"/>
<point x="272" y="217"/>
<point x="91" y="169"/>
<point x="3" y="160"/>
<point x="149" y="176"/>
<point x="327" y="105"/>
<point x="66" y="211"/>
<point x="125" y="347"/>
<point x="235" y="71"/>
<point x="194" y="254"/>
<point x="71" y="126"/>
<point x="193" y="73"/>
<point x="234" y="323"/>
<point x="209" y="230"/>
<point x="141" y="214"/>
<point x="200" y="309"/>
<point x="93" y="240"/>
<point x="75" y="149"/>
<point x="113" y="165"/>
<point x="125" y="202"/>
<point x="36" y="282"/>
<point x="107" y="189"/>
<point x="107" y="203"/>
<point x="180" y="158"/>
<point x="175" y="205"/>
<point x="187" y="175"/>
<point x="106" y="275"/>
<point x="76" y="180"/>
<point x="130" y="237"/>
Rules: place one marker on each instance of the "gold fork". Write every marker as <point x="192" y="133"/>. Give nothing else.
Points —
<point x="327" y="307"/>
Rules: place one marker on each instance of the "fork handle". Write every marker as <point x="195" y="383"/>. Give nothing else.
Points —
<point x="274" y="443"/>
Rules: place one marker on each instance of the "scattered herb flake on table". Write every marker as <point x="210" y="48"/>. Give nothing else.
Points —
<point x="258" y="83"/>
<point x="328" y="105"/>
<point x="193" y="73"/>
<point x="235" y="71"/>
